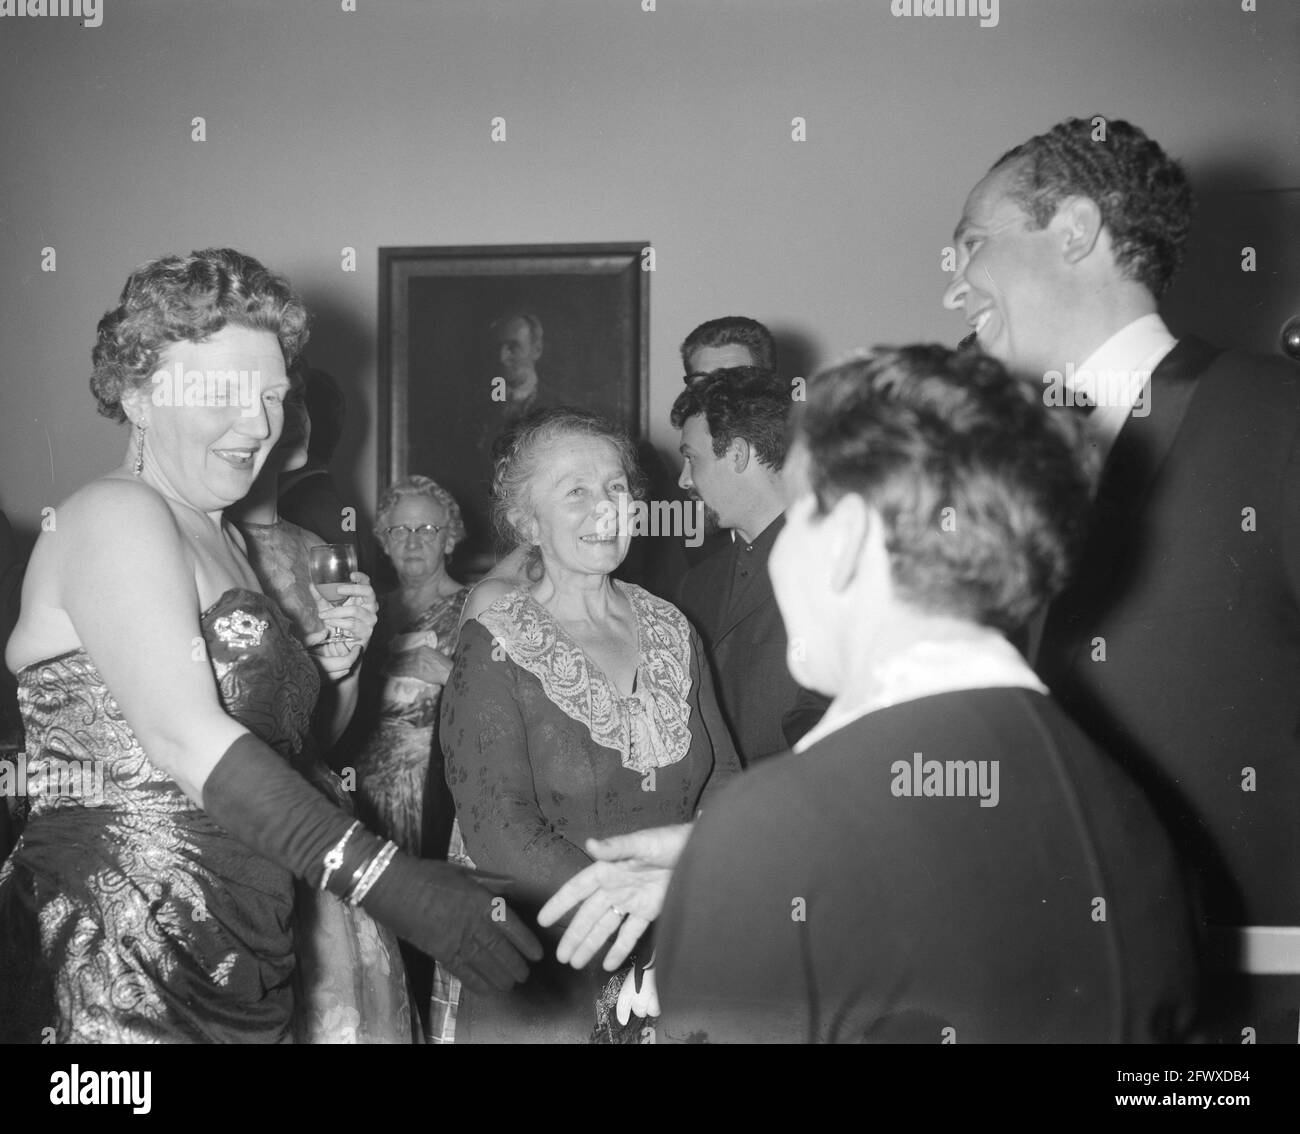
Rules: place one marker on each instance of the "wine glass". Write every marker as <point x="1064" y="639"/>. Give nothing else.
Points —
<point x="331" y="565"/>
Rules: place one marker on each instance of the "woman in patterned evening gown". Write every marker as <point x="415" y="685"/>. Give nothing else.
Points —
<point x="150" y="895"/>
<point x="351" y="982"/>
<point x="580" y="707"/>
<point x="418" y="525"/>
<point x="401" y="789"/>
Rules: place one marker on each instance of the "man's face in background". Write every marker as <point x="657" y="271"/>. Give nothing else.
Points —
<point x="516" y="351"/>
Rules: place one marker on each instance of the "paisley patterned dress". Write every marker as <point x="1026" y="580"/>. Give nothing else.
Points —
<point x="126" y="914"/>
<point x="544" y="752"/>
<point x="393" y="767"/>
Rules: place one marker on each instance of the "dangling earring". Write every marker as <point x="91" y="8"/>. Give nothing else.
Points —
<point x="139" y="448"/>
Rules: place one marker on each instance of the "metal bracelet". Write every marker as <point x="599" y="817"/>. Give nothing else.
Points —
<point x="334" y="857"/>
<point x="377" y="866"/>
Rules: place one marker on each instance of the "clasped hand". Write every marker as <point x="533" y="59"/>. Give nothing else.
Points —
<point x="416" y="655"/>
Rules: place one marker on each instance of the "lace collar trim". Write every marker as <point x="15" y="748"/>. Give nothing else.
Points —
<point x="651" y="728"/>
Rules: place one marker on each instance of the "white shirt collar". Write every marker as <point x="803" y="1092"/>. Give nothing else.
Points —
<point x="1118" y="376"/>
<point x="925" y="669"/>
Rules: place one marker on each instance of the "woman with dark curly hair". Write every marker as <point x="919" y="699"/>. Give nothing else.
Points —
<point x="578" y="707"/>
<point x="157" y="905"/>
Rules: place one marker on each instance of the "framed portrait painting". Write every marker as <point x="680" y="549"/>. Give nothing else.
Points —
<point x="474" y="338"/>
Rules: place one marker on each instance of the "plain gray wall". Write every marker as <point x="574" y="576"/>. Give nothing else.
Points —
<point x="327" y="128"/>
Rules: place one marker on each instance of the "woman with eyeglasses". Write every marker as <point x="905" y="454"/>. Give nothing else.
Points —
<point x="418" y="524"/>
<point x="400" y="787"/>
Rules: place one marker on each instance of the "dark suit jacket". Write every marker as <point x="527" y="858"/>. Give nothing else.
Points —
<point x="1191" y="578"/>
<point x="814" y="904"/>
<point x="745" y="640"/>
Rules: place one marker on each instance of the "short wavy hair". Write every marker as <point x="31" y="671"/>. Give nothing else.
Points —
<point x="518" y="459"/>
<point x="186" y="299"/>
<point x="732" y="330"/>
<point x="918" y="430"/>
<point x="1144" y="195"/>
<point x="430" y="489"/>
<point x="739" y="401"/>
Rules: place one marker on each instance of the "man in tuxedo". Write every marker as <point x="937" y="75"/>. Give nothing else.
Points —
<point x="1177" y="645"/>
<point x="733" y="444"/>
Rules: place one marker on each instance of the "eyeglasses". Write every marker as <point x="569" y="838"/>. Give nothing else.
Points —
<point x="694" y="376"/>
<point x="424" y="532"/>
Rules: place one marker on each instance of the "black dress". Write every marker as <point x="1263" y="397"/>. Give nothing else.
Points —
<point x="126" y="914"/>
<point x="1019" y="890"/>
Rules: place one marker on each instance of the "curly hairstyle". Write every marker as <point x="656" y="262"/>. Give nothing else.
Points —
<point x="739" y="401"/>
<point x="186" y="299"/>
<point x="429" y="489"/>
<point x="732" y="330"/>
<point x="518" y="456"/>
<point x="918" y="430"/>
<point x="1144" y="195"/>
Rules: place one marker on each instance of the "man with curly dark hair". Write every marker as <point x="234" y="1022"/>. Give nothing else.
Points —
<point x="726" y="343"/>
<point x="1177" y="645"/>
<point x="733" y="443"/>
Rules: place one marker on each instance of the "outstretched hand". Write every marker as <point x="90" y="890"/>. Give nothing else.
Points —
<point x="623" y="891"/>
<point x="421" y="662"/>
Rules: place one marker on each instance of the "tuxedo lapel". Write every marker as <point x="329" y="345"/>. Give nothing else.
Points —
<point x="1135" y="460"/>
<point x="1144" y="442"/>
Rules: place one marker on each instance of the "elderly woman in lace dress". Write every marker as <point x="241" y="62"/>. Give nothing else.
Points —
<point x="578" y="707"/>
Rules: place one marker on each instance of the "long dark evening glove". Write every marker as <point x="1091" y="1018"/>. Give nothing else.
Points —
<point x="441" y="909"/>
